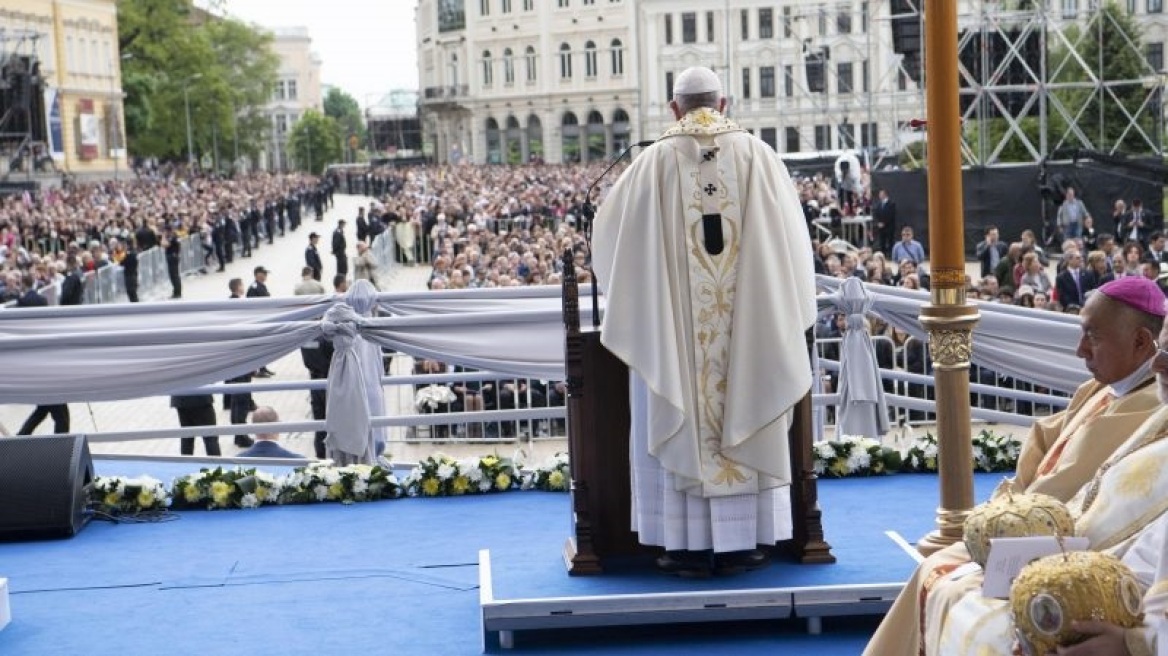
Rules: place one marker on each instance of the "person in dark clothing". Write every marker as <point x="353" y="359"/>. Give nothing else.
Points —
<point x="239" y="404"/>
<point x="318" y="357"/>
<point x="73" y="287"/>
<point x="60" y="413"/>
<point x="130" y="271"/>
<point x="173" y="260"/>
<point x="258" y="289"/>
<point x="339" y="246"/>
<point x="312" y="256"/>
<point x="196" y="410"/>
<point x="362" y="225"/>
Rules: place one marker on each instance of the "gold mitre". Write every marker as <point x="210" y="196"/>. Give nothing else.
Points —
<point x="1015" y="516"/>
<point x="1054" y="591"/>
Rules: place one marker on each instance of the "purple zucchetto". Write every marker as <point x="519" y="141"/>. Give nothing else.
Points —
<point x="1136" y="292"/>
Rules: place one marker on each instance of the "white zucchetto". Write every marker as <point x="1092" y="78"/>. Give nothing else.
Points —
<point x="697" y="80"/>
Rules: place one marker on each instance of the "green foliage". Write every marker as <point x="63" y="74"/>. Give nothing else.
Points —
<point x="1106" y="50"/>
<point x="173" y="53"/>
<point x="996" y="129"/>
<point x="344" y="109"/>
<point x="315" y="141"/>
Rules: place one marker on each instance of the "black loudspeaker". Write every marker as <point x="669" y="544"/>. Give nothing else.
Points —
<point x="44" y="486"/>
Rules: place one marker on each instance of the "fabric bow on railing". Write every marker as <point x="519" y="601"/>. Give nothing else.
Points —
<point x="354" y="380"/>
<point x="862" y="409"/>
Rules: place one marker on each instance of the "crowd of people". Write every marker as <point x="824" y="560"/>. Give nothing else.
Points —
<point x="52" y="235"/>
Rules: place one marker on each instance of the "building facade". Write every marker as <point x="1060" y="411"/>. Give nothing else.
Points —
<point x="576" y="80"/>
<point x="62" y="107"/>
<point x="297" y="90"/>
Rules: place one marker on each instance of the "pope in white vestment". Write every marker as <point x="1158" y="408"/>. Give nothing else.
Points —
<point x="705" y="260"/>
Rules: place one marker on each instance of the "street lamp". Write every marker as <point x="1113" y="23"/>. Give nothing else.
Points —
<point x="115" y="128"/>
<point x="187" y="102"/>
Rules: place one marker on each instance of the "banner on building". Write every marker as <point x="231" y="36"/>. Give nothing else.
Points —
<point x="53" y="120"/>
<point x="88" y="130"/>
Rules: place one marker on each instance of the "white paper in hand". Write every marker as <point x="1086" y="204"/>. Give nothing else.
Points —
<point x="1009" y="555"/>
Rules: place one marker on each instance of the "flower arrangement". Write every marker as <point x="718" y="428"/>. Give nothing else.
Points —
<point x="432" y="396"/>
<point x="854" y="455"/>
<point x="226" y="488"/>
<point x="992" y="452"/>
<point x="442" y="475"/>
<point x="553" y="476"/>
<point x="119" y="495"/>
<point x="322" y="481"/>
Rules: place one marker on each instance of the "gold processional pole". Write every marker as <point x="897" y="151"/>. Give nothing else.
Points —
<point x="948" y="318"/>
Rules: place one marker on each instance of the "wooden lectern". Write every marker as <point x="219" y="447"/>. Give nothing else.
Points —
<point x="598" y="443"/>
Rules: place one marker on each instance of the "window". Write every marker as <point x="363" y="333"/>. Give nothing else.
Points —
<point x="291" y="89"/>
<point x="868" y="135"/>
<point x="1071" y="8"/>
<point x="668" y="29"/>
<point x="901" y="80"/>
<point x="769" y="137"/>
<point x="864" y="17"/>
<point x="1155" y="6"/>
<point x="562" y="3"/>
<point x="281" y="124"/>
<point x="589" y="2"/>
<point x="709" y="27"/>
<point x="789" y="81"/>
<point x="618" y="57"/>
<point x="485" y="7"/>
<point x="865" y="74"/>
<point x="822" y="21"/>
<point x="745" y="24"/>
<point x="487" y="72"/>
<point x="766" y="81"/>
<point x="669" y="84"/>
<point x="746" y="83"/>
<point x="843" y="20"/>
<point x="506" y="6"/>
<point x="787" y="31"/>
<point x="529" y="55"/>
<point x="508" y="67"/>
<point x="843" y="74"/>
<point x="823" y="137"/>
<point x="1155" y="53"/>
<point x="792" y="145"/>
<point x="565" y="61"/>
<point x="278" y="93"/>
<point x="590" y="60"/>
<point x="766" y="23"/>
<point x="528" y="5"/>
<point x="689" y="27"/>
<point x="847" y="135"/>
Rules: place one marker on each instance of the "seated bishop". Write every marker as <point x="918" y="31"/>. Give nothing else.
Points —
<point x="1062" y="452"/>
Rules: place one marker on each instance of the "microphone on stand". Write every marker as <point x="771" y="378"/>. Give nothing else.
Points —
<point x="588" y="212"/>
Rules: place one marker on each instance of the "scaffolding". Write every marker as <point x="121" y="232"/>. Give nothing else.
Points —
<point x="22" y="118"/>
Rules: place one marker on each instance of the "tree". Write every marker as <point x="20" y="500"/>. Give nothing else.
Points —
<point x="315" y="141"/>
<point x="1106" y="52"/>
<point x="173" y="53"/>
<point x="344" y="109"/>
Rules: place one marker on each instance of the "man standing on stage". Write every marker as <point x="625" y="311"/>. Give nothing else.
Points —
<point x="704" y="256"/>
<point x="339" y="246"/>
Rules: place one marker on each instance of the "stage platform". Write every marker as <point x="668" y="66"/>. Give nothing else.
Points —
<point x="404" y="576"/>
<point x="524" y="586"/>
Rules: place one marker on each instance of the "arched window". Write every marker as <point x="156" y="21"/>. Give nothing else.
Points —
<point x="534" y="139"/>
<point x="494" y="142"/>
<point x="514" y="142"/>
<point x="596" y="148"/>
<point x="590" y="60"/>
<point x="618" y="57"/>
<point x="508" y="67"/>
<point x="620" y="130"/>
<point x="570" y="135"/>
<point x="487" y="72"/>
<point x="529" y="55"/>
<point x="565" y="61"/>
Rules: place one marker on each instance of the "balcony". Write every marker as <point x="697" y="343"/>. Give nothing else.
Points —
<point x="445" y="95"/>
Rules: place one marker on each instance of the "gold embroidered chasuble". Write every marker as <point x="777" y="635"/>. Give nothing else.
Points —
<point x="716" y="334"/>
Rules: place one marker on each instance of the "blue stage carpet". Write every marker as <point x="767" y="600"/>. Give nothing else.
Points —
<point x="386" y="577"/>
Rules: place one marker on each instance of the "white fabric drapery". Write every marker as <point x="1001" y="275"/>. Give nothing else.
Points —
<point x="862" y="409"/>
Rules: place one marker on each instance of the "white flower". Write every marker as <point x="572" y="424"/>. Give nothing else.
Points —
<point x="858" y="459"/>
<point x="360" y="487"/>
<point x="467" y="464"/>
<point x="446" y="472"/>
<point x="331" y="476"/>
<point x="819" y="466"/>
<point x="474" y="474"/>
<point x="320" y="492"/>
<point x="930" y="450"/>
<point x="824" y="450"/>
<point x="486" y="486"/>
<point x="249" y="501"/>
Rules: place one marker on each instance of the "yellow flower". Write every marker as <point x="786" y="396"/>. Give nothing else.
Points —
<point x="145" y="499"/>
<point x="502" y="481"/>
<point x="430" y="487"/>
<point x="261" y="492"/>
<point x="930" y="463"/>
<point x="336" y="490"/>
<point x="490" y="461"/>
<point x="460" y="485"/>
<point x="839" y="467"/>
<point x="112" y="499"/>
<point x="556" y="480"/>
<point x="191" y="493"/>
<point x="220" y="493"/>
